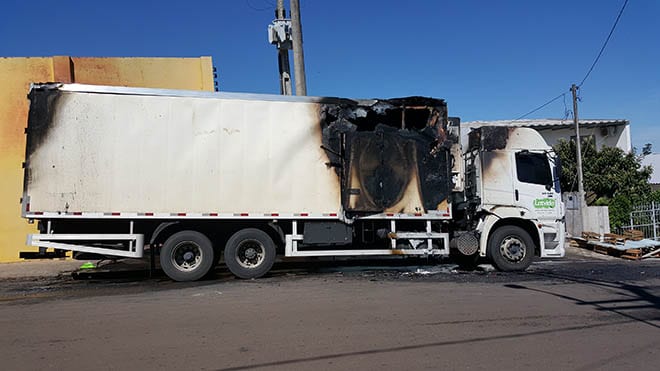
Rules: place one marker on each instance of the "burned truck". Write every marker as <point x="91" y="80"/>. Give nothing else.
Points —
<point x="193" y="177"/>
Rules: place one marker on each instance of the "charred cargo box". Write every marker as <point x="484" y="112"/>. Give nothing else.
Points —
<point x="394" y="153"/>
<point x="112" y="151"/>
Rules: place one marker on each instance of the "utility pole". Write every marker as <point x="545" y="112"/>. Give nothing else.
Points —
<point x="582" y="201"/>
<point x="298" y="55"/>
<point x="279" y="34"/>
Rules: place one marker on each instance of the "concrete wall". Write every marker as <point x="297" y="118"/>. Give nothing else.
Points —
<point x="596" y="218"/>
<point x="16" y="75"/>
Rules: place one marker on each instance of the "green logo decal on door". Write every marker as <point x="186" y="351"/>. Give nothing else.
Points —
<point x="544" y="203"/>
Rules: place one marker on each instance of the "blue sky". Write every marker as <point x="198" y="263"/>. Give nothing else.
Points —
<point x="489" y="59"/>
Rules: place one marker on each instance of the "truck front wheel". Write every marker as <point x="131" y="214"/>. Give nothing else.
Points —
<point x="249" y="253"/>
<point x="510" y="248"/>
<point x="187" y="256"/>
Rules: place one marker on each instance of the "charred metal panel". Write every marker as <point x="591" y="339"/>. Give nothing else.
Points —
<point x="392" y="155"/>
<point x="489" y="138"/>
<point x="458" y="164"/>
<point x="492" y="138"/>
<point x="43" y="107"/>
<point x="43" y="103"/>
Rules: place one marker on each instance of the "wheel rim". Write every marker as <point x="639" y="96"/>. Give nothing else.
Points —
<point x="250" y="253"/>
<point x="513" y="249"/>
<point x="186" y="256"/>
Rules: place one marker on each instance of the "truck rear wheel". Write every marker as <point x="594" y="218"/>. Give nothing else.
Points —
<point x="250" y="253"/>
<point x="510" y="248"/>
<point x="187" y="256"/>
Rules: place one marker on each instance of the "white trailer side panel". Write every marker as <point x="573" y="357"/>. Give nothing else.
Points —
<point x="165" y="154"/>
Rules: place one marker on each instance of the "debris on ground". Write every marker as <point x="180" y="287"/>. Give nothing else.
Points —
<point x="630" y="245"/>
<point x="428" y="271"/>
<point x="88" y="265"/>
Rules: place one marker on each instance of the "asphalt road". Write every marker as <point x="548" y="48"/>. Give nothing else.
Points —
<point x="573" y="314"/>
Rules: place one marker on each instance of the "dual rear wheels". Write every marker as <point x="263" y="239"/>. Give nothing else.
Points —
<point x="250" y="253"/>
<point x="189" y="255"/>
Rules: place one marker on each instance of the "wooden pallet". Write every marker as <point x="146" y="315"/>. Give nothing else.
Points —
<point x="614" y="244"/>
<point x="632" y="254"/>
<point x="633" y="234"/>
<point x="614" y="238"/>
<point x="591" y="236"/>
<point x="580" y="242"/>
<point x="602" y="250"/>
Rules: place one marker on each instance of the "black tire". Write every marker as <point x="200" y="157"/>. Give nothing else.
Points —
<point x="510" y="248"/>
<point x="250" y="253"/>
<point x="187" y="256"/>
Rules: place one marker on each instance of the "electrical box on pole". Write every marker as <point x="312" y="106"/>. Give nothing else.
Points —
<point x="279" y="34"/>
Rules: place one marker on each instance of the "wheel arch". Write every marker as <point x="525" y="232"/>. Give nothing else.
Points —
<point x="493" y="222"/>
<point x="160" y="234"/>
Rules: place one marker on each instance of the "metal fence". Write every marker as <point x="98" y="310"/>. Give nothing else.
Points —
<point x="645" y="218"/>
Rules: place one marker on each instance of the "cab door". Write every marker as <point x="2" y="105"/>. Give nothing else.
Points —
<point x="535" y="188"/>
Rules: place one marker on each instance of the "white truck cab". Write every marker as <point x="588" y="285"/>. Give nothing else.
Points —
<point x="512" y="187"/>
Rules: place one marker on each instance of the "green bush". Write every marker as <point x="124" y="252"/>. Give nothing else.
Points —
<point x="612" y="178"/>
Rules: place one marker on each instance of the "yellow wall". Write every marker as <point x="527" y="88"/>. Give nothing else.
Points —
<point x="16" y="74"/>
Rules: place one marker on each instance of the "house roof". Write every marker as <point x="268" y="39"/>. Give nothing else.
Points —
<point x="653" y="159"/>
<point x="548" y="123"/>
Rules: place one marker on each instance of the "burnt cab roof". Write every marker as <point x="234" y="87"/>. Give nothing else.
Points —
<point x="492" y="138"/>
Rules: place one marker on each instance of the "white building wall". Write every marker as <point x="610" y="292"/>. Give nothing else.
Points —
<point x="605" y="135"/>
<point x="552" y="136"/>
<point x="610" y="136"/>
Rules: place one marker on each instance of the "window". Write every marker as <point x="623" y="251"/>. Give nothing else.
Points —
<point x="533" y="168"/>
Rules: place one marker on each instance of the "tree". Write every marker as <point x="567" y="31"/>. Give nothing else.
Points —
<point x="612" y="177"/>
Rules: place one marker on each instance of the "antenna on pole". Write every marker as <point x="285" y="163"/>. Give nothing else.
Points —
<point x="279" y="34"/>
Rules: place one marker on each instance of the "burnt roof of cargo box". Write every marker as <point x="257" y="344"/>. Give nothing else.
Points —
<point x="121" y="90"/>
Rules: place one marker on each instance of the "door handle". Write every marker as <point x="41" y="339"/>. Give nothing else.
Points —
<point x="517" y="195"/>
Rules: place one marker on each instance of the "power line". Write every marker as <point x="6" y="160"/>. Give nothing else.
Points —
<point x="541" y="106"/>
<point x="567" y="112"/>
<point x="605" y="43"/>
<point x="600" y="53"/>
